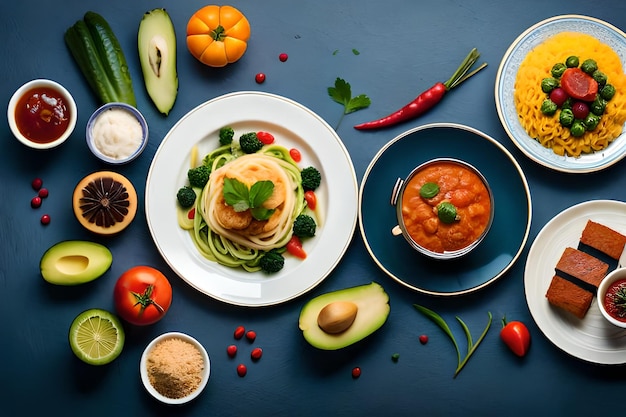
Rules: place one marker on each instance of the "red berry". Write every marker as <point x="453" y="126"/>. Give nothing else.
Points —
<point x="256" y="354"/>
<point x="265" y="137"/>
<point x="239" y="332"/>
<point x="260" y="78"/>
<point x="45" y="219"/>
<point x="580" y="110"/>
<point x="35" y="202"/>
<point x="423" y="339"/>
<point x="251" y="335"/>
<point x="558" y="96"/>
<point x="37" y="183"/>
<point x="231" y="351"/>
<point x="43" y="193"/>
<point x="283" y="57"/>
<point x="356" y="372"/>
<point x="295" y="154"/>
<point x="242" y="370"/>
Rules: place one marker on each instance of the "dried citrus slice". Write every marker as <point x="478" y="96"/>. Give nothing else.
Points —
<point x="96" y="336"/>
<point x="105" y="202"/>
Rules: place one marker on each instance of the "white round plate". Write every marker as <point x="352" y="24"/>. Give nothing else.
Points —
<point x="592" y="339"/>
<point x="505" y="83"/>
<point x="293" y="126"/>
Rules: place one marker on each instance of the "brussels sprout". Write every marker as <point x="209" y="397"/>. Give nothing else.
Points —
<point x="591" y="121"/>
<point x="558" y="69"/>
<point x="549" y="84"/>
<point x="607" y="92"/>
<point x="578" y="128"/>
<point x="548" y="107"/>
<point x="589" y="66"/>
<point x="598" y="106"/>
<point x="447" y="212"/>
<point x="571" y="61"/>
<point x="568" y="103"/>
<point x="600" y="77"/>
<point x="566" y="117"/>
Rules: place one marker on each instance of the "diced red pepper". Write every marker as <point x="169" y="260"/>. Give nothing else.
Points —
<point x="294" y="247"/>
<point x="311" y="199"/>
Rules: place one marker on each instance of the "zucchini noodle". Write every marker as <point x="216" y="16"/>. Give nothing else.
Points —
<point x="216" y="232"/>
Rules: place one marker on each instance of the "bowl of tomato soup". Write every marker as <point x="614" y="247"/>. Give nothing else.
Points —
<point x="444" y="208"/>
<point x="42" y="114"/>
<point x="611" y="297"/>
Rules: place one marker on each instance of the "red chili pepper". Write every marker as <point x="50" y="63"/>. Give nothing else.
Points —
<point x="426" y="100"/>
<point x="294" y="247"/>
<point x="579" y="85"/>
<point x="311" y="199"/>
<point x="516" y="336"/>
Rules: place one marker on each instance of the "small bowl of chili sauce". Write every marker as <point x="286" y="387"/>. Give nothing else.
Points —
<point x="42" y="114"/>
<point x="612" y="297"/>
<point x="444" y="208"/>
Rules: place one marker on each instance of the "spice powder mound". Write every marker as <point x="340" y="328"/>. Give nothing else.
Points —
<point x="175" y="368"/>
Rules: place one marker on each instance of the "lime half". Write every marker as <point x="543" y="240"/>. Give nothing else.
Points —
<point x="96" y="336"/>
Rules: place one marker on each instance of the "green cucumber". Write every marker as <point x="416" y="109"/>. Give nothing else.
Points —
<point x="112" y="56"/>
<point x="99" y="56"/>
<point x="83" y="50"/>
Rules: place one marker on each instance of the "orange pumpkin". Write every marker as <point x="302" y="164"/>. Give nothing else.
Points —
<point x="218" y="35"/>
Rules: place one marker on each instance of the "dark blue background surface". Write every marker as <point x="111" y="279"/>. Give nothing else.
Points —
<point x="404" y="47"/>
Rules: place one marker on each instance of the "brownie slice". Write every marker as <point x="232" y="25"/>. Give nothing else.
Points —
<point x="603" y="239"/>
<point x="569" y="296"/>
<point x="576" y="266"/>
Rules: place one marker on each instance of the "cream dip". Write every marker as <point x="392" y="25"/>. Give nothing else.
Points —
<point x="117" y="133"/>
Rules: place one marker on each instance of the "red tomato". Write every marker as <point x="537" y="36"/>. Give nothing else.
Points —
<point x="295" y="154"/>
<point x="294" y="247"/>
<point x="142" y="295"/>
<point x="516" y="336"/>
<point x="579" y="85"/>
<point x="265" y="137"/>
<point x="311" y="199"/>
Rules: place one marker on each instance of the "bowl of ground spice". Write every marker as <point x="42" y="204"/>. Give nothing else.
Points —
<point x="175" y="368"/>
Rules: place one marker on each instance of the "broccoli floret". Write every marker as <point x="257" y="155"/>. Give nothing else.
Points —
<point x="198" y="176"/>
<point x="226" y="135"/>
<point x="272" y="262"/>
<point x="186" y="196"/>
<point x="250" y="143"/>
<point x="311" y="178"/>
<point x="304" y="226"/>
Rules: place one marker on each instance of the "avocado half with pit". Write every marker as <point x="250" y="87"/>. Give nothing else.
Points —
<point x="74" y="262"/>
<point x="341" y="318"/>
<point x="156" y="41"/>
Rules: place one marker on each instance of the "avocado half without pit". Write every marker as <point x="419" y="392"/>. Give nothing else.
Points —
<point x="105" y="202"/>
<point x="341" y="318"/>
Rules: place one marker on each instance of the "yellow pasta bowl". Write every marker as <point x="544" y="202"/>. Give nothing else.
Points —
<point x="519" y="94"/>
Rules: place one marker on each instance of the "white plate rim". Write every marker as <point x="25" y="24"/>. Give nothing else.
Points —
<point x="530" y="147"/>
<point x="293" y="123"/>
<point x="591" y="339"/>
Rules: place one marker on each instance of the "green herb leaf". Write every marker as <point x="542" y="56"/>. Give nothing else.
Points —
<point x="261" y="213"/>
<point x="439" y="321"/>
<point x="342" y="94"/>
<point x="471" y="347"/>
<point x="260" y="192"/>
<point x="236" y="194"/>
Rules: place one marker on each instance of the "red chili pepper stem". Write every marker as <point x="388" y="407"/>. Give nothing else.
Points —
<point x="428" y="98"/>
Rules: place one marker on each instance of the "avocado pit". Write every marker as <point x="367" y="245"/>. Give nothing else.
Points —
<point x="337" y="317"/>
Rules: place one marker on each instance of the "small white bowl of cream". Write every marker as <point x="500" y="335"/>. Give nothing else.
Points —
<point x="117" y="133"/>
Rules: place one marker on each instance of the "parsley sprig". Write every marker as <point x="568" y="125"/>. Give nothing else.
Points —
<point x="242" y="198"/>
<point x="342" y="94"/>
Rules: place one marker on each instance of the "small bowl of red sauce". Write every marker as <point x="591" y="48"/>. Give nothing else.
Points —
<point x="444" y="208"/>
<point x="42" y="114"/>
<point x="612" y="297"/>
